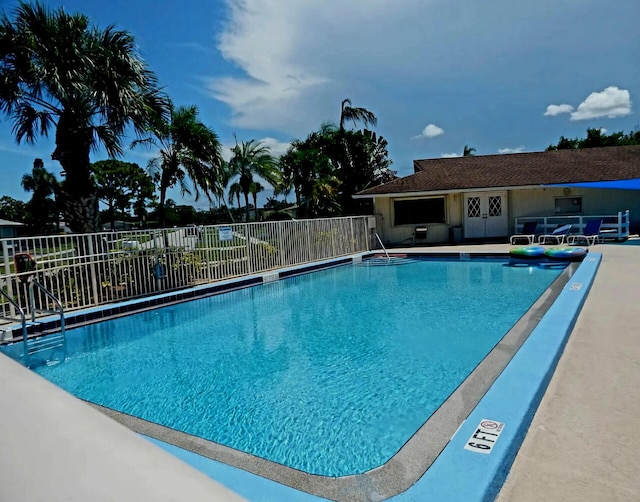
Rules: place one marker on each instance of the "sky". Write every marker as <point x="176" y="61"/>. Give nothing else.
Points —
<point x="500" y="76"/>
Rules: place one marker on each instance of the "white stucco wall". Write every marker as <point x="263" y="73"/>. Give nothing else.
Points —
<point x="541" y="202"/>
<point x="521" y="203"/>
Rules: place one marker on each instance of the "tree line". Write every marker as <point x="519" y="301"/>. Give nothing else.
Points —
<point x="597" y="138"/>
<point x="88" y="87"/>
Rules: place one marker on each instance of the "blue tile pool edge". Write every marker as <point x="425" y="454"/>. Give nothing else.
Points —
<point x="460" y="474"/>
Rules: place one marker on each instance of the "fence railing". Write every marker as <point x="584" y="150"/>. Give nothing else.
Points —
<point x="85" y="270"/>
<point x="614" y="226"/>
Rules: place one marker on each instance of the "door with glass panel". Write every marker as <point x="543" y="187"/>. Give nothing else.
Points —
<point x="485" y="215"/>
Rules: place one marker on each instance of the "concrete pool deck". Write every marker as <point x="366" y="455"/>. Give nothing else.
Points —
<point x="581" y="444"/>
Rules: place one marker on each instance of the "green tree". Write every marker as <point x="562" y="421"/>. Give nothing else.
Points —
<point x="253" y="159"/>
<point x="596" y="138"/>
<point x="13" y="210"/>
<point x="308" y="167"/>
<point x="89" y="84"/>
<point x="468" y="151"/>
<point x="330" y="166"/>
<point x="188" y="150"/>
<point x="255" y="188"/>
<point x="355" y="114"/>
<point x="235" y="191"/>
<point x="121" y="184"/>
<point x="43" y="213"/>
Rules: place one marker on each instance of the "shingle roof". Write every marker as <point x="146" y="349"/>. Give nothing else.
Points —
<point x="517" y="169"/>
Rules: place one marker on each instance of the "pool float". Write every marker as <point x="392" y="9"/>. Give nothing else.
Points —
<point x="528" y="252"/>
<point x="566" y="253"/>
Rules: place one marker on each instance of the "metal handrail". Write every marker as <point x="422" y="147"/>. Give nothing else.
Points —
<point x="383" y="248"/>
<point x="59" y="310"/>
<point x="23" y="316"/>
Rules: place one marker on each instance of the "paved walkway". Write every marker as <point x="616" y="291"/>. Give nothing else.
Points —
<point x="582" y="444"/>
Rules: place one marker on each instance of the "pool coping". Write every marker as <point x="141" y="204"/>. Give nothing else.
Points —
<point x="561" y="325"/>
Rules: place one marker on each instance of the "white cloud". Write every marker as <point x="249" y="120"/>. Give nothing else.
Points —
<point x="603" y="130"/>
<point x="610" y="103"/>
<point x="518" y="149"/>
<point x="553" y="110"/>
<point x="291" y="62"/>
<point x="450" y="155"/>
<point x="430" y="131"/>
<point x="277" y="147"/>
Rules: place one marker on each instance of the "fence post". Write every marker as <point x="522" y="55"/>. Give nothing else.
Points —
<point x="92" y="269"/>
<point x="353" y="237"/>
<point x="7" y="272"/>
<point x="246" y="233"/>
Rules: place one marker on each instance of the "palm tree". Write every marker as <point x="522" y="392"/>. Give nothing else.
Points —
<point x="89" y="84"/>
<point x="188" y="149"/>
<point x="347" y="112"/>
<point x="468" y="151"/>
<point x="255" y="188"/>
<point x="253" y="159"/>
<point x="234" y="193"/>
<point x="42" y="206"/>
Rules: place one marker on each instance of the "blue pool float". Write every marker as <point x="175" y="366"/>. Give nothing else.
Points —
<point x="566" y="253"/>
<point x="528" y="252"/>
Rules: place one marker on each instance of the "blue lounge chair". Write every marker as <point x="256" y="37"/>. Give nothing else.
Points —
<point x="528" y="233"/>
<point x="558" y="236"/>
<point x="590" y="234"/>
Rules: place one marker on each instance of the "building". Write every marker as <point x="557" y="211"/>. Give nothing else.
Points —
<point x="489" y="196"/>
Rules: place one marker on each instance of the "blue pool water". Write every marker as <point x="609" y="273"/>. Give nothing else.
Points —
<point x="329" y="372"/>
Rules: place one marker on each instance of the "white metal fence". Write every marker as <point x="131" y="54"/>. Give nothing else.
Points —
<point x="614" y="226"/>
<point x="85" y="270"/>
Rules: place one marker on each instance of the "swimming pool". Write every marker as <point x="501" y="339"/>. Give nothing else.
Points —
<point x="415" y="456"/>
<point x="329" y="373"/>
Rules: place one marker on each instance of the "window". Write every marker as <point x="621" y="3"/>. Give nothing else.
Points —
<point x="414" y="211"/>
<point x="568" y="205"/>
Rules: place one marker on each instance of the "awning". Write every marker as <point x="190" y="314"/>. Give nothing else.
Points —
<point x="632" y="184"/>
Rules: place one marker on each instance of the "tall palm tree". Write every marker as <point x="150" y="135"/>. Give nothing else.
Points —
<point x="253" y="159"/>
<point x="348" y="112"/>
<point x="188" y="150"/>
<point x="89" y="84"/>
<point x="42" y="205"/>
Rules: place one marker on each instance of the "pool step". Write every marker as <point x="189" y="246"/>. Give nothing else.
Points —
<point x="377" y="261"/>
<point x="43" y="343"/>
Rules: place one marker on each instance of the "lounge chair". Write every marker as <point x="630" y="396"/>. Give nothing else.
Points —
<point x="590" y="234"/>
<point x="420" y="233"/>
<point x="528" y="233"/>
<point x="558" y="236"/>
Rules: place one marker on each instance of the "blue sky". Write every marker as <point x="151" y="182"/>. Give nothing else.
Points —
<point x="499" y="75"/>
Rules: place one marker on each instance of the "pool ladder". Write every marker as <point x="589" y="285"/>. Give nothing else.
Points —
<point x="383" y="248"/>
<point x="41" y="343"/>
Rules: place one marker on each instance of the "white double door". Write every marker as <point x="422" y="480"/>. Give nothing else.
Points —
<point x="485" y="215"/>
